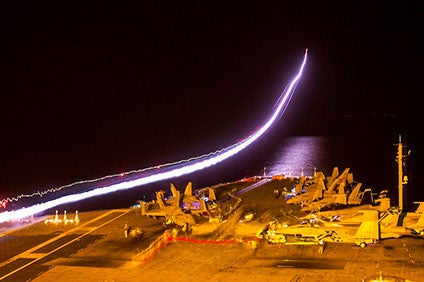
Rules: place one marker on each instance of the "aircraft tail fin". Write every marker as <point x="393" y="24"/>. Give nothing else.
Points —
<point x="298" y="188"/>
<point x="333" y="176"/>
<point x="189" y="189"/>
<point x="319" y="174"/>
<point x="143" y="207"/>
<point x="318" y="194"/>
<point x="369" y="226"/>
<point x="176" y="196"/>
<point x="174" y="191"/>
<point x="344" y="176"/>
<point x="354" y="198"/>
<point x="341" y="178"/>
<point x="341" y="189"/>
<point x="212" y="196"/>
<point x="335" y="173"/>
<point x="159" y="198"/>
<point x="420" y="208"/>
<point x="349" y="178"/>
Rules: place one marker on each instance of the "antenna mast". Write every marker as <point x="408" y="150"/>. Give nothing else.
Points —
<point x="401" y="179"/>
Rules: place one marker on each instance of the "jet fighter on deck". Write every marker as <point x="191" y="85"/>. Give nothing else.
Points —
<point x="328" y="192"/>
<point x="317" y="231"/>
<point x="313" y="193"/>
<point x="180" y="209"/>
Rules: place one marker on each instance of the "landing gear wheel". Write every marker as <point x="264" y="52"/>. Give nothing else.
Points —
<point x="362" y="245"/>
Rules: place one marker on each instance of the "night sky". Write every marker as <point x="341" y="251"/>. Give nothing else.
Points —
<point x="91" y="89"/>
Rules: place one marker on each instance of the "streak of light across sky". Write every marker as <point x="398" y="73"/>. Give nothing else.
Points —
<point x="169" y="170"/>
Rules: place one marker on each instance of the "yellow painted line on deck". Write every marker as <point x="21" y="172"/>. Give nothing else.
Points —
<point x="27" y="254"/>
<point x="32" y="255"/>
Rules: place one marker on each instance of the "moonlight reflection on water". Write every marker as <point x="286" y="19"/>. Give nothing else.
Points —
<point x="298" y="156"/>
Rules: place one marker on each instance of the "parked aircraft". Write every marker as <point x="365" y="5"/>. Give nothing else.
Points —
<point x="329" y="199"/>
<point x="180" y="209"/>
<point x="328" y="192"/>
<point x="356" y="196"/>
<point x="334" y="174"/>
<point x="414" y="221"/>
<point x="393" y="223"/>
<point x="350" y="214"/>
<point x="345" y="196"/>
<point x="342" y="178"/>
<point x="313" y="193"/>
<point x="318" y="231"/>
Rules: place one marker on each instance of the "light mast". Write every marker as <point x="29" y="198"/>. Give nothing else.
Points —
<point x="401" y="178"/>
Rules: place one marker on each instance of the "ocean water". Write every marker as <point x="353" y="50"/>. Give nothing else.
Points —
<point x="371" y="160"/>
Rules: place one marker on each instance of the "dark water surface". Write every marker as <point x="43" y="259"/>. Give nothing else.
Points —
<point x="368" y="155"/>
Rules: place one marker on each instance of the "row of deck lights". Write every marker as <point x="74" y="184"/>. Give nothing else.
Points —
<point x="65" y="220"/>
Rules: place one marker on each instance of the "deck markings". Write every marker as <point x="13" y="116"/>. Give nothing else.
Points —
<point x="39" y="256"/>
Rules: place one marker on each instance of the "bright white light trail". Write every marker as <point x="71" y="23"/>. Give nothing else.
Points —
<point x="172" y="170"/>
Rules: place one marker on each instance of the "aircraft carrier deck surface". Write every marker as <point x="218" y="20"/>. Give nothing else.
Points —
<point x="96" y="249"/>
